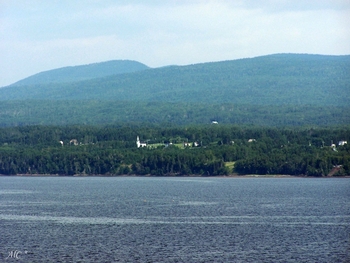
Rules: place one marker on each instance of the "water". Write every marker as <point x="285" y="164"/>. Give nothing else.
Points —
<point x="134" y="219"/>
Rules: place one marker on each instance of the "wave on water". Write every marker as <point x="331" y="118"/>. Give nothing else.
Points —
<point x="235" y="220"/>
<point x="16" y="192"/>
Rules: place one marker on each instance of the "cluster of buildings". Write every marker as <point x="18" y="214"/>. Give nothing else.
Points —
<point x="140" y="144"/>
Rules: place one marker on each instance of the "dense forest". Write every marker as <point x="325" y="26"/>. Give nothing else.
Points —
<point x="21" y="113"/>
<point x="275" y="90"/>
<point x="206" y="150"/>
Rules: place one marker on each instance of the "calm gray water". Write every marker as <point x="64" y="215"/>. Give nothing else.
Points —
<point x="123" y="219"/>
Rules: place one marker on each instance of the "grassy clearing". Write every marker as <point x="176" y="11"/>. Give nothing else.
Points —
<point x="156" y="145"/>
<point x="230" y="165"/>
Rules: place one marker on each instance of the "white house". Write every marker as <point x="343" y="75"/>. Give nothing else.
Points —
<point x="74" y="142"/>
<point x="342" y="143"/>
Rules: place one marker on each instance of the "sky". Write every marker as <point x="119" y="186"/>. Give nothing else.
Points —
<point x="39" y="35"/>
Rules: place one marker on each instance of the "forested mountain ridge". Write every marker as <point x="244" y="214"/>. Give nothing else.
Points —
<point x="268" y="80"/>
<point x="273" y="90"/>
<point x="82" y="72"/>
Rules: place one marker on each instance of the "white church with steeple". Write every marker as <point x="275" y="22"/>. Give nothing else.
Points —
<point x="140" y="144"/>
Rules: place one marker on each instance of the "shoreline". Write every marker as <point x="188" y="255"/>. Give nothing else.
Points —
<point x="177" y="176"/>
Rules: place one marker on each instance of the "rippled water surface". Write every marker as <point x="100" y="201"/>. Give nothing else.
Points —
<point x="135" y="219"/>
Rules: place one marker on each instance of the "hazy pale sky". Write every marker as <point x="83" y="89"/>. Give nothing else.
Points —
<point x="38" y="35"/>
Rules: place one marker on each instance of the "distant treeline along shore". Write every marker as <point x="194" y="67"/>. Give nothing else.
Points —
<point x="206" y="150"/>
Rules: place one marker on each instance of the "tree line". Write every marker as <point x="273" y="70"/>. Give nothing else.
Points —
<point x="214" y="150"/>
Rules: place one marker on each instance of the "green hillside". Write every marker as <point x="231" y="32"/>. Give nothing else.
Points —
<point x="274" y="90"/>
<point x="68" y="112"/>
<point x="268" y="80"/>
<point x="84" y="72"/>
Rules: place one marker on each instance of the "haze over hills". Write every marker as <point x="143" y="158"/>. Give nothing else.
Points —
<point x="83" y="72"/>
<point x="281" y="89"/>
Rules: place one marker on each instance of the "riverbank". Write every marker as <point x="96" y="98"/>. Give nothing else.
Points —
<point x="178" y="176"/>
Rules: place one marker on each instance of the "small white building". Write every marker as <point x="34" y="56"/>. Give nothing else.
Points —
<point x="342" y="143"/>
<point x="140" y="144"/>
<point x="74" y="142"/>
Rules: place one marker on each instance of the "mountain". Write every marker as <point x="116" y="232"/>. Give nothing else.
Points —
<point x="269" y="80"/>
<point x="83" y="72"/>
<point x="280" y="89"/>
